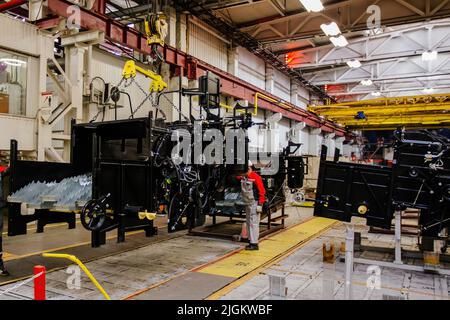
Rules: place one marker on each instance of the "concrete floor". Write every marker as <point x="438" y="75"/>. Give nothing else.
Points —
<point x="132" y="271"/>
<point x="304" y="274"/>
<point x="167" y="269"/>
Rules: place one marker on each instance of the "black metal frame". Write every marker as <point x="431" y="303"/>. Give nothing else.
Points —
<point x="20" y="174"/>
<point x="419" y="179"/>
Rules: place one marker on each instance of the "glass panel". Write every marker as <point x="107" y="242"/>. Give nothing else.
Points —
<point x="13" y="83"/>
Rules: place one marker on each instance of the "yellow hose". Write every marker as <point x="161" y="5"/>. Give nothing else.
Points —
<point x="82" y="266"/>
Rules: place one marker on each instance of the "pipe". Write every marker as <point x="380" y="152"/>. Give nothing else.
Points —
<point x="12" y="4"/>
<point x="82" y="266"/>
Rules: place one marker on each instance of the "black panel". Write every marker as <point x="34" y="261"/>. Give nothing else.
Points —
<point x="296" y="173"/>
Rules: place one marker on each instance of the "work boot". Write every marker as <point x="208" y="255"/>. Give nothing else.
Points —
<point x="252" y="247"/>
<point x="4" y="273"/>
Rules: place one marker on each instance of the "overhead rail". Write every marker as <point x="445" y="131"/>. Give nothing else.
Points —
<point x="191" y="67"/>
<point x="424" y="111"/>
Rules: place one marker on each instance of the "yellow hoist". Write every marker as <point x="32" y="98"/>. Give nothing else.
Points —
<point x="156" y="29"/>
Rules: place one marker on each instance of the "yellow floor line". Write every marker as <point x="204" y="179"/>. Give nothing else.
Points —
<point x="243" y="262"/>
<point x="16" y="257"/>
<point x="51" y="226"/>
<point x="238" y="282"/>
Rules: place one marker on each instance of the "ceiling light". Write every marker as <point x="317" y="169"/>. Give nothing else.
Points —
<point x="429" y="55"/>
<point x="376" y="93"/>
<point x="312" y="5"/>
<point x="340" y="41"/>
<point x="354" y="63"/>
<point x="367" y="82"/>
<point x="12" y="62"/>
<point x="428" y="90"/>
<point x="331" y="29"/>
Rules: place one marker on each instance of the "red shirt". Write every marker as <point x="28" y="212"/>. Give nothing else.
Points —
<point x="259" y="185"/>
<point x="2" y="169"/>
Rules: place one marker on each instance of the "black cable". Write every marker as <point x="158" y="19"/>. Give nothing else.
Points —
<point x="98" y="78"/>
<point x="129" y="100"/>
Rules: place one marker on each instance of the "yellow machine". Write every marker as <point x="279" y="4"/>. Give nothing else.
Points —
<point x="131" y="69"/>
<point x="425" y="111"/>
<point x="156" y="28"/>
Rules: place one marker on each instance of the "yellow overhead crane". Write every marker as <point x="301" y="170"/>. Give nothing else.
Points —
<point x="413" y="112"/>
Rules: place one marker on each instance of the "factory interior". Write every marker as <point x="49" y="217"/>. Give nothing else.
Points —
<point x="256" y="151"/>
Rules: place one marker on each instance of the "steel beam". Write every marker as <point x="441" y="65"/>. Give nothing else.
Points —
<point x="190" y="66"/>
<point x="12" y="4"/>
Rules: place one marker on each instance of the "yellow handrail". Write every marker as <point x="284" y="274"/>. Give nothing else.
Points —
<point x="82" y="266"/>
<point x="265" y="97"/>
<point x="255" y="103"/>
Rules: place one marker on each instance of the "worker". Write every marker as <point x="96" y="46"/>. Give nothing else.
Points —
<point x="3" y="271"/>
<point x="253" y="194"/>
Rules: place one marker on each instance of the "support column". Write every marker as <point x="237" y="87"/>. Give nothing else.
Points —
<point x="172" y="102"/>
<point x="315" y="141"/>
<point x="349" y="242"/>
<point x="181" y="33"/>
<point x="330" y="143"/>
<point x="74" y="70"/>
<point x="272" y="136"/>
<point x="297" y="134"/>
<point x="398" y="237"/>
<point x="36" y="10"/>
<point x="233" y="61"/>
<point x="44" y="137"/>
<point x="172" y="21"/>
<point x="294" y="93"/>
<point x="340" y="144"/>
<point x="270" y="79"/>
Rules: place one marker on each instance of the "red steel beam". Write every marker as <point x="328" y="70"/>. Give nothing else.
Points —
<point x="12" y="4"/>
<point x="231" y="85"/>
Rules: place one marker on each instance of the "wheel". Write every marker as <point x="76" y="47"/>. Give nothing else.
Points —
<point x="93" y="215"/>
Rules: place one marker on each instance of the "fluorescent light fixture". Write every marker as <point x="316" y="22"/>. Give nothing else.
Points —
<point x="340" y="41"/>
<point x="12" y="62"/>
<point x="331" y="29"/>
<point x="367" y="82"/>
<point x="429" y="55"/>
<point x="428" y="90"/>
<point x="376" y="93"/>
<point x="312" y="5"/>
<point x="354" y="63"/>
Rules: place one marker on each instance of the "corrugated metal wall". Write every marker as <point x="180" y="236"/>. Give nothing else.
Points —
<point x="251" y="68"/>
<point x="282" y="87"/>
<point x="207" y="47"/>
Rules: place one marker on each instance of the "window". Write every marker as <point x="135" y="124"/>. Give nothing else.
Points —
<point x="13" y="83"/>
